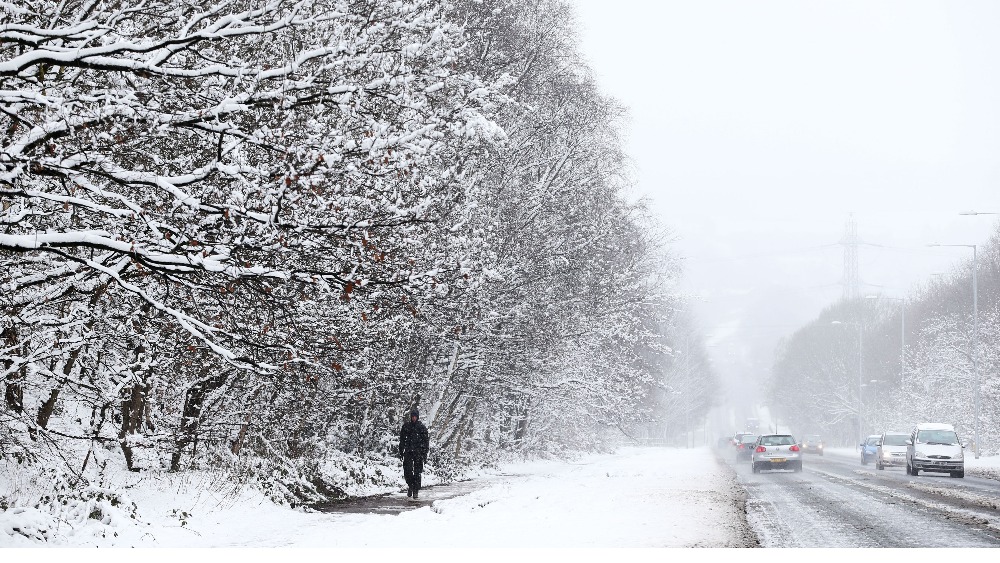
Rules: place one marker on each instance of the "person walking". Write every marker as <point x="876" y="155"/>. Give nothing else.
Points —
<point x="413" y="445"/>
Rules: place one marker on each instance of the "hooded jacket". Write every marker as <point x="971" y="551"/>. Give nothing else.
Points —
<point x="413" y="438"/>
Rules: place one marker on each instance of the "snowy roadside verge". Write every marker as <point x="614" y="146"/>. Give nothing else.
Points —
<point x="740" y="495"/>
<point x="635" y="498"/>
<point x="985" y="467"/>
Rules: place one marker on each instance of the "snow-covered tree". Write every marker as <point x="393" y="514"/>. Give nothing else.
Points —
<point x="182" y="181"/>
<point x="252" y="234"/>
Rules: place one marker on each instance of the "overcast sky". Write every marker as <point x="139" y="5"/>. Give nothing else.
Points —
<point x="758" y="127"/>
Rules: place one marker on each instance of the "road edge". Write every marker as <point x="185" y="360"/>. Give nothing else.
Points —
<point x="747" y="535"/>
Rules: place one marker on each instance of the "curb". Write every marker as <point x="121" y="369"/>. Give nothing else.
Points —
<point x="747" y="535"/>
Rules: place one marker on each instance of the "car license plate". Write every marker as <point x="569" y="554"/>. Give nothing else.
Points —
<point x="777" y="460"/>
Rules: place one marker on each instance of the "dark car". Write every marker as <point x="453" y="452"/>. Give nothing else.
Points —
<point x="869" y="448"/>
<point x="737" y="438"/>
<point x="812" y="444"/>
<point x="745" y="447"/>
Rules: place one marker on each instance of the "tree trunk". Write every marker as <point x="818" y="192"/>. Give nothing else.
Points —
<point x="464" y="427"/>
<point x="238" y="443"/>
<point x="522" y="425"/>
<point x="133" y="411"/>
<point x="191" y="415"/>
<point x="13" y="392"/>
<point x="449" y="376"/>
<point x="13" y="395"/>
<point x="48" y="407"/>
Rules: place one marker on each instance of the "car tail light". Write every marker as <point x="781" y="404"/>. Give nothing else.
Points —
<point x="742" y="447"/>
<point x="761" y="449"/>
<point x="794" y="448"/>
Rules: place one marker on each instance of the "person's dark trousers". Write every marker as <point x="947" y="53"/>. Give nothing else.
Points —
<point x="413" y="466"/>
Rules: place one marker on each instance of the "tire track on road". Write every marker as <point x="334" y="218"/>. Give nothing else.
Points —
<point x="958" y="507"/>
<point x="821" y="508"/>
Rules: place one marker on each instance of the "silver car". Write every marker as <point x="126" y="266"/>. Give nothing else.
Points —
<point x="891" y="450"/>
<point x="776" y="451"/>
<point x="935" y="447"/>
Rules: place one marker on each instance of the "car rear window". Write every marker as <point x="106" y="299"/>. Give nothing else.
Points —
<point x="777" y="441"/>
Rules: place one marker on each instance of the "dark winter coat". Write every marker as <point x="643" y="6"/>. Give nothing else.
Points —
<point x="413" y="439"/>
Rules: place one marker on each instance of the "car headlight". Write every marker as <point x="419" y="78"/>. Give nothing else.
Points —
<point x="918" y="453"/>
<point x="961" y="455"/>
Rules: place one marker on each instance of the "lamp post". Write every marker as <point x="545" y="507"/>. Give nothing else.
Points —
<point x="861" y="436"/>
<point x="975" y="326"/>
<point x="975" y="357"/>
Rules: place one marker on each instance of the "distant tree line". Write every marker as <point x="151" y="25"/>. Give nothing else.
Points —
<point x="915" y="359"/>
<point x="685" y="388"/>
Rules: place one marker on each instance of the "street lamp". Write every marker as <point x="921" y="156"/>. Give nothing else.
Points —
<point x="975" y="324"/>
<point x="861" y="436"/>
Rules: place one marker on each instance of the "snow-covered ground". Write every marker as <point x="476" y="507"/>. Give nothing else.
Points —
<point x="636" y="498"/>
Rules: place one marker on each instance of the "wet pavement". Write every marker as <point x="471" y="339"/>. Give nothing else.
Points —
<point x="836" y="502"/>
<point x="395" y="503"/>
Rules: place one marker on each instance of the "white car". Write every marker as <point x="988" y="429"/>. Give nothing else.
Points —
<point x="776" y="451"/>
<point x="935" y="447"/>
<point x="891" y="450"/>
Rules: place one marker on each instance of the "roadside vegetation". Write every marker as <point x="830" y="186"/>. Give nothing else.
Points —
<point x="245" y="238"/>
<point x="917" y="368"/>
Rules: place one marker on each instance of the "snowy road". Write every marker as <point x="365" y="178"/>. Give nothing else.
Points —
<point x="837" y="502"/>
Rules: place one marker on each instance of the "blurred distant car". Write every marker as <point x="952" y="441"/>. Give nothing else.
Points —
<point x="891" y="450"/>
<point x="738" y="438"/>
<point x="745" y="448"/>
<point x="776" y="451"/>
<point x="812" y="444"/>
<point x="869" y="448"/>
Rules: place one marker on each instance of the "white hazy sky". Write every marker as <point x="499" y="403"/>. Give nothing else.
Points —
<point x="758" y="127"/>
